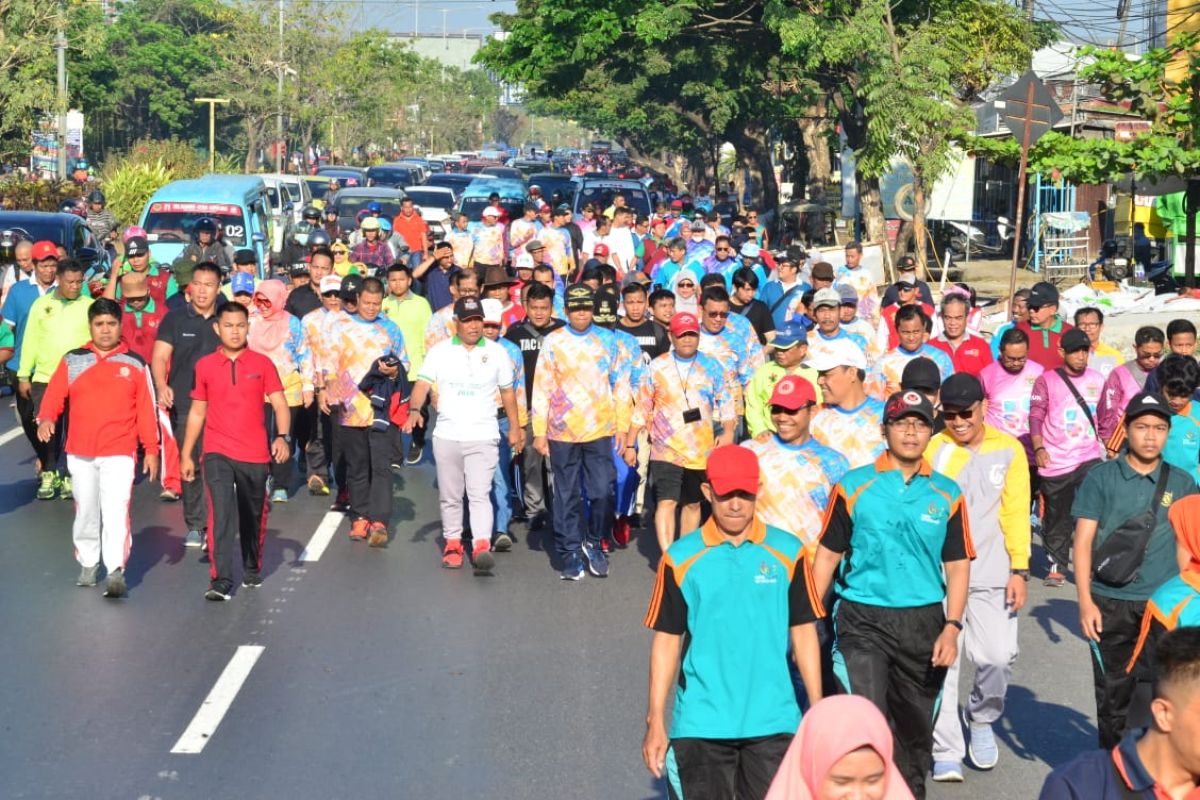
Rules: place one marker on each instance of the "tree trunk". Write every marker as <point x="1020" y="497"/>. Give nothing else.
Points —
<point x="754" y="150"/>
<point x="918" y="220"/>
<point x="871" y="205"/>
<point x="814" y="133"/>
<point x="251" y="126"/>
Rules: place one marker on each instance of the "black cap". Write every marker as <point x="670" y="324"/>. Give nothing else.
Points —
<point x="1147" y="403"/>
<point x="137" y="246"/>
<point x="961" y="390"/>
<point x="467" y="308"/>
<point x="580" y="296"/>
<point x="605" y="307"/>
<point x="563" y="208"/>
<point x="299" y="268"/>
<point x="1073" y="340"/>
<point x="1043" y="294"/>
<point x="906" y="263"/>
<point x="908" y="403"/>
<point x="245" y="256"/>
<point x="921" y="374"/>
<point x="351" y="286"/>
<point x="903" y="284"/>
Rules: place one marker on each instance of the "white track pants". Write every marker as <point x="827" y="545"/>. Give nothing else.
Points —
<point x="102" y="487"/>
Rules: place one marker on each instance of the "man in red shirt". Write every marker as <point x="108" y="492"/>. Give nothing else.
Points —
<point x="413" y="229"/>
<point x="234" y="380"/>
<point x="111" y="407"/>
<point x="969" y="353"/>
<point x="907" y="294"/>
<point x="1045" y="328"/>
<point x="141" y="315"/>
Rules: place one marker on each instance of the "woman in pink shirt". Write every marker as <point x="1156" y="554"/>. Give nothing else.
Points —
<point x="1008" y="384"/>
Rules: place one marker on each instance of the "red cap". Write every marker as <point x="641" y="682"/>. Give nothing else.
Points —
<point x="793" y="392"/>
<point x="676" y="204"/>
<point x="683" y="322"/>
<point x="600" y="250"/>
<point x="43" y="250"/>
<point x="733" y="468"/>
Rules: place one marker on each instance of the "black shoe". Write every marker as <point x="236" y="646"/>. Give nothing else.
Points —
<point x="502" y="542"/>
<point x="115" y="586"/>
<point x="216" y="595"/>
<point x="252" y="580"/>
<point x="538" y="521"/>
<point x="635" y="521"/>
<point x="415" y="451"/>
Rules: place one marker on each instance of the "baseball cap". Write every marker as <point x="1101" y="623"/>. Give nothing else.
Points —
<point x="468" y="308"/>
<point x="299" y="268"/>
<point x="43" y="250"/>
<point x="331" y="283"/>
<point x="790" y="335"/>
<point x="827" y="297"/>
<point x="906" y="264"/>
<point x="600" y="250"/>
<point x="1075" y="339"/>
<point x="793" y="392"/>
<point x="841" y="352"/>
<point x="823" y="271"/>
<point x="370" y="224"/>
<point x="961" y="390"/>
<point x="905" y="284"/>
<point x="908" y="402"/>
<point x="639" y="278"/>
<point x="1147" y="403"/>
<point x="580" y="296"/>
<point x="676" y="204"/>
<point x="534" y="245"/>
<point x="563" y="209"/>
<point x="351" y="286"/>
<point x="137" y="246"/>
<point x="683" y="323"/>
<point x="604" y="310"/>
<point x="848" y="295"/>
<point x="732" y="468"/>
<point x="242" y="283"/>
<point x="523" y="261"/>
<point x="697" y="226"/>
<point x="750" y="250"/>
<point x="1043" y="294"/>
<point x="921" y="374"/>
<point x="493" y="310"/>
<point x="492" y="211"/>
<point x="245" y="256"/>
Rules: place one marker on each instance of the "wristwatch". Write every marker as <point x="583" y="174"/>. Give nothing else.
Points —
<point x="1021" y="573"/>
<point x="956" y="623"/>
<point x="286" y="438"/>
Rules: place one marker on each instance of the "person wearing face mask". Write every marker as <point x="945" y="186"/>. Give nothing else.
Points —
<point x="842" y="750"/>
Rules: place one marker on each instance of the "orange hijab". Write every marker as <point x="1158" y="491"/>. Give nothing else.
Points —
<point x="1184" y="516"/>
<point x="833" y="728"/>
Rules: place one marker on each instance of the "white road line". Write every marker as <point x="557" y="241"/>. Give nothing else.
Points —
<point x="322" y="536"/>
<point x="9" y="435"/>
<point x="214" y="707"/>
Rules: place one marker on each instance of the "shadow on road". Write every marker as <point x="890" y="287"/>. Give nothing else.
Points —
<point x="150" y="546"/>
<point x="17" y="494"/>
<point x="1058" y="616"/>
<point x="1042" y="731"/>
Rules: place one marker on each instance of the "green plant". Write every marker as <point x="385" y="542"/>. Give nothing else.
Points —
<point x="130" y="184"/>
<point x="31" y="194"/>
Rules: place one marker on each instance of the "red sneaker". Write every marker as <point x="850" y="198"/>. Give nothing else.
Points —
<point x="622" y="532"/>
<point x="359" y="529"/>
<point x="481" y="556"/>
<point x="452" y="554"/>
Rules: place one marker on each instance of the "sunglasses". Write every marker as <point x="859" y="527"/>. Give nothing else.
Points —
<point x="717" y="314"/>
<point x="950" y="416"/>
<point x="790" y="411"/>
<point x="139" y="299"/>
<point x="687" y="284"/>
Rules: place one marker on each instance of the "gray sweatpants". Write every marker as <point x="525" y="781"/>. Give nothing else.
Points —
<point x="989" y="639"/>
<point x="465" y="467"/>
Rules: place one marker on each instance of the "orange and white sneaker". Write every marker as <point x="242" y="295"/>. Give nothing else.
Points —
<point x="452" y="554"/>
<point x="359" y="529"/>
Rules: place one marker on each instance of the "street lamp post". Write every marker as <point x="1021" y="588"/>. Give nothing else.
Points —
<point x="212" y="127"/>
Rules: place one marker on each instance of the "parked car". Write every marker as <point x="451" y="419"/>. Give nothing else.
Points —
<point x="456" y="181"/>
<point x="528" y="166"/>
<point x="601" y="191"/>
<point x="346" y="176"/>
<point x="318" y="187"/>
<point x="353" y="200"/>
<point x="288" y="194"/>
<point x="507" y="173"/>
<point x="551" y="182"/>
<point x="238" y="203"/>
<point x="393" y="175"/>
<point x="475" y="198"/>
<point x="435" y="203"/>
<point x="67" y="230"/>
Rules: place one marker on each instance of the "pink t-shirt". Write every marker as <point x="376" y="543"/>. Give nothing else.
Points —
<point x="1069" y="439"/>
<point x="1008" y="399"/>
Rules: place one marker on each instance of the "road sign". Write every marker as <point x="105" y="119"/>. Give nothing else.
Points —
<point x="1019" y="103"/>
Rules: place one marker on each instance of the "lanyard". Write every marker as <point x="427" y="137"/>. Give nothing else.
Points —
<point x="684" y="379"/>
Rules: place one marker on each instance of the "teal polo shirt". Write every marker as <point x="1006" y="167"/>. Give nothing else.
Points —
<point x="1111" y="494"/>
<point x="736" y="604"/>
<point x="895" y="534"/>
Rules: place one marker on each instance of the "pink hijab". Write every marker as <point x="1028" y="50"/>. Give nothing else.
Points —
<point x="270" y="328"/>
<point x="833" y="728"/>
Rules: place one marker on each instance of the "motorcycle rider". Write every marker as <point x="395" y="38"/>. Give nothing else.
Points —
<point x="101" y="221"/>
<point x="206" y="246"/>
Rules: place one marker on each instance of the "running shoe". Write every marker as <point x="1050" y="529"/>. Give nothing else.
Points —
<point x="452" y="554"/>
<point x="342" y="501"/>
<point x="572" y="568"/>
<point x="65" y="488"/>
<point x="87" y="576"/>
<point x="606" y="545"/>
<point x="359" y="530"/>
<point x="481" y="557"/>
<point x="47" y="485"/>
<point x="115" y="586"/>
<point x="378" y="535"/>
<point x="415" y="451"/>
<point x="217" y="596"/>
<point x="982" y="747"/>
<point x="167" y="496"/>
<point x="503" y="542"/>
<point x="279" y="496"/>
<point x="597" y="562"/>
<point x="1055" y="580"/>
<point x="193" y="539"/>
<point x="252" y="580"/>
<point x="317" y="486"/>
<point x="622" y="531"/>
<point x="947" y="772"/>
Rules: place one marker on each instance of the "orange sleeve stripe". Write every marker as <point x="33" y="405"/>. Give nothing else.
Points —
<point x="852" y="499"/>
<point x="813" y="597"/>
<point x="960" y="507"/>
<point x="682" y="569"/>
<point x="656" y="595"/>
<point x="833" y="498"/>
<point x="1118" y="436"/>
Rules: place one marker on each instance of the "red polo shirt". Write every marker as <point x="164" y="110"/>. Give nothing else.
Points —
<point x="1044" y="342"/>
<point x="140" y="330"/>
<point x="235" y="390"/>
<point x="412" y="229"/>
<point x="970" y="357"/>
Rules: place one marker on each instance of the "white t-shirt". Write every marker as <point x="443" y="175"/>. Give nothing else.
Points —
<point x="620" y="244"/>
<point x="466" y="381"/>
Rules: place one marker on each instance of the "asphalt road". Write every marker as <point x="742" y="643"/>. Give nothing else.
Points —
<point x="375" y="673"/>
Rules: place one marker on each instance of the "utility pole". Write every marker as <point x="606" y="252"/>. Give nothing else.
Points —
<point x="212" y="128"/>
<point x="416" y="18"/>
<point x="279" y="114"/>
<point x="444" y="39"/>
<point x="60" y="44"/>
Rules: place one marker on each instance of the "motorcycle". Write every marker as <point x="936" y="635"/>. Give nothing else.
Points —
<point x="964" y="236"/>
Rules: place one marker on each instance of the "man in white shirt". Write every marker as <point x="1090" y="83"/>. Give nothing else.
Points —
<point x="468" y="370"/>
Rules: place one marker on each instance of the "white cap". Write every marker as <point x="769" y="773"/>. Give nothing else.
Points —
<point x="523" y="261"/>
<point x="493" y="311"/>
<point x="828" y="296"/>
<point x="841" y="352"/>
<point x="331" y="283"/>
<point x="492" y="211"/>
